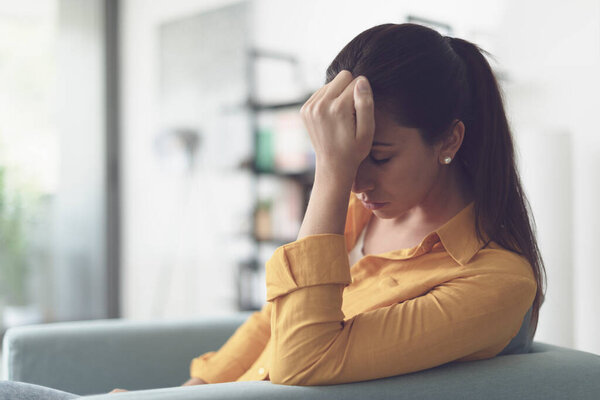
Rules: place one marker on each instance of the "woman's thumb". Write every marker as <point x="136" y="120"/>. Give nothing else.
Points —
<point x="365" y="118"/>
<point x="362" y="85"/>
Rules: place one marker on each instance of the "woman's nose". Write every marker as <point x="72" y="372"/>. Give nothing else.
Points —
<point x="363" y="181"/>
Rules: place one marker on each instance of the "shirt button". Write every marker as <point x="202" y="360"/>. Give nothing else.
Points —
<point x="261" y="371"/>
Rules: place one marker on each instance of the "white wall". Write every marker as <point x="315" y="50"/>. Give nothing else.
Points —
<point x="159" y="246"/>
<point x="545" y="67"/>
<point x="553" y="104"/>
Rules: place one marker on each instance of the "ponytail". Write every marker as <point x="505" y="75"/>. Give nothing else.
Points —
<point x="502" y="210"/>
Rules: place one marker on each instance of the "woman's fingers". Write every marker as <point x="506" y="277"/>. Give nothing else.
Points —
<point x="336" y="87"/>
<point x="312" y="98"/>
<point x="346" y="99"/>
<point x="308" y="104"/>
<point x="329" y="91"/>
<point x="339" y="123"/>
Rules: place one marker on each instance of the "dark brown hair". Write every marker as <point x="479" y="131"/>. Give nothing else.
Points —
<point x="424" y="80"/>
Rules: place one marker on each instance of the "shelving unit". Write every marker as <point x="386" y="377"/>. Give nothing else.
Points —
<point x="284" y="170"/>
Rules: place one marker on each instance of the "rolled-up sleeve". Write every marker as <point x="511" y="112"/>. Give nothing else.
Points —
<point x="313" y="260"/>
<point x="238" y="353"/>
<point x="314" y="345"/>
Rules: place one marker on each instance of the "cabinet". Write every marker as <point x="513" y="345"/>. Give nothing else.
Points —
<point x="282" y="167"/>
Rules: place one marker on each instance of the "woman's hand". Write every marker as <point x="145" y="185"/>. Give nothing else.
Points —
<point x="190" y="382"/>
<point x="194" y="381"/>
<point x="341" y="124"/>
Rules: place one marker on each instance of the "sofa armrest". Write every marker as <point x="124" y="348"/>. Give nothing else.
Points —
<point x="91" y="357"/>
<point x="548" y="372"/>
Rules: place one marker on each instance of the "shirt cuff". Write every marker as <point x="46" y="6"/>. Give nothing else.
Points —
<point x="198" y="366"/>
<point x="214" y="369"/>
<point x="319" y="259"/>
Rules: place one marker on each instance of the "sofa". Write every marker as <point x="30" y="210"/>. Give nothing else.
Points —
<point x="151" y="359"/>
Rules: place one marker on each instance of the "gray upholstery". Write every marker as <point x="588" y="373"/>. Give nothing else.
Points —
<point x="94" y="357"/>
<point x="522" y="342"/>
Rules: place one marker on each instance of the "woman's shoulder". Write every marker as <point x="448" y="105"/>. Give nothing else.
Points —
<point x="497" y="259"/>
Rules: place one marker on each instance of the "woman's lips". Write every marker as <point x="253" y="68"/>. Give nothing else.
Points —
<point x="372" y="206"/>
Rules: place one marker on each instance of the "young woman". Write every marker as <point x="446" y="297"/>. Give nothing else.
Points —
<point x="417" y="247"/>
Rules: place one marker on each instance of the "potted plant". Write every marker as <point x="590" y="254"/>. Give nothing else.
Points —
<point x="14" y="268"/>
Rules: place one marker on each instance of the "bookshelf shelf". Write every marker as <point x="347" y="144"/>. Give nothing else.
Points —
<point x="282" y="170"/>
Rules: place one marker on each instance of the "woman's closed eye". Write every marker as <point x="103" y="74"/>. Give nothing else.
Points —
<point x="379" y="161"/>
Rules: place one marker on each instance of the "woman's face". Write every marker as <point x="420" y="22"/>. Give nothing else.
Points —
<point x="400" y="171"/>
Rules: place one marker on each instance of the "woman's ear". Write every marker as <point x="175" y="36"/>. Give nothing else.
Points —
<point x="453" y="140"/>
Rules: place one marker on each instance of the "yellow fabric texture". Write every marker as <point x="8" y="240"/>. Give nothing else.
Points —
<point x="450" y="298"/>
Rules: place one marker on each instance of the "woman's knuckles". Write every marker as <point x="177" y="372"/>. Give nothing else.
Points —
<point x="338" y="109"/>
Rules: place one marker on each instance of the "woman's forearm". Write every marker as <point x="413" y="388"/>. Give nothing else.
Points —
<point x="328" y="204"/>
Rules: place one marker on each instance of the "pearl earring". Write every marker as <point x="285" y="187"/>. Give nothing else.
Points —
<point x="447" y="160"/>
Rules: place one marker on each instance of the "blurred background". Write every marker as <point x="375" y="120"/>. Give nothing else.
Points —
<point x="152" y="156"/>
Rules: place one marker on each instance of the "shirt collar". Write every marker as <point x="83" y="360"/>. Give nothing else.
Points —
<point x="458" y="235"/>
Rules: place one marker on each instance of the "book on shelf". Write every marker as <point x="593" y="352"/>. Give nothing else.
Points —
<point x="279" y="209"/>
<point x="283" y="144"/>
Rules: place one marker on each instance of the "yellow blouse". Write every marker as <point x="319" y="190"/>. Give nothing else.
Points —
<point x="450" y="298"/>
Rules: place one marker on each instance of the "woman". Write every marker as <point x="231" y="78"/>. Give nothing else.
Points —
<point x="416" y="248"/>
<point x="433" y="259"/>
